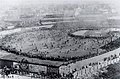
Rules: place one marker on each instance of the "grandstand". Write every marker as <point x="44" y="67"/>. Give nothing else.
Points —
<point x="112" y="45"/>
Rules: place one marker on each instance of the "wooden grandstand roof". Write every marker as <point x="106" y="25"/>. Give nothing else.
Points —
<point x="17" y="58"/>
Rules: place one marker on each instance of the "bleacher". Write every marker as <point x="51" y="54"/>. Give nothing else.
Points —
<point x="112" y="45"/>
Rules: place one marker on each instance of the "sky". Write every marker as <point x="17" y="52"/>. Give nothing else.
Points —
<point x="17" y="2"/>
<point x="6" y="3"/>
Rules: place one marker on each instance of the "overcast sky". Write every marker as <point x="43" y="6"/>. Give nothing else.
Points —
<point x="5" y="3"/>
<point x="14" y="2"/>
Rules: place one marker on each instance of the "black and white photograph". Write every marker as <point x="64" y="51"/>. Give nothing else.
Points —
<point x="59" y="39"/>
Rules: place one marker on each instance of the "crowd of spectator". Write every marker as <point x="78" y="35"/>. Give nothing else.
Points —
<point x="54" y="44"/>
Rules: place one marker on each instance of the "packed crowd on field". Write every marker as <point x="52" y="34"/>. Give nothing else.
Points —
<point x="54" y="43"/>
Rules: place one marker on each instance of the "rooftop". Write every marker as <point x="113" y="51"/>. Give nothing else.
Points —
<point x="17" y="58"/>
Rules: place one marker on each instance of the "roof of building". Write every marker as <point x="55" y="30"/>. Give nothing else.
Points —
<point x="17" y="58"/>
